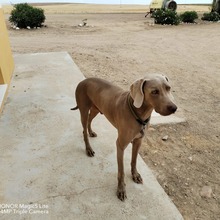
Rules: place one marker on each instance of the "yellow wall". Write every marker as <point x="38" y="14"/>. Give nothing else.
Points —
<point x="6" y="59"/>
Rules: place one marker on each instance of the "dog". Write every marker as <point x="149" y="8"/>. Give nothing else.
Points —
<point x="128" y="111"/>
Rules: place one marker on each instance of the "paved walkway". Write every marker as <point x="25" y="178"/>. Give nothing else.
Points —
<point x="45" y="172"/>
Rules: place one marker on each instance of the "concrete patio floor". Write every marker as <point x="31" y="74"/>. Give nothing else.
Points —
<point x="45" y="173"/>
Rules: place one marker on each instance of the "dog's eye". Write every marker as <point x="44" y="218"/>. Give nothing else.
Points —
<point x="155" y="92"/>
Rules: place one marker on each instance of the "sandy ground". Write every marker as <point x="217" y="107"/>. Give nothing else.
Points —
<point x="122" y="47"/>
<point x="96" y="8"/>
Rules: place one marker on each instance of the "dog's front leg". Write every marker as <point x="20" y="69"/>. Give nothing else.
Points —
<point x="136" y="144"/>
<point x="121" y="191"/>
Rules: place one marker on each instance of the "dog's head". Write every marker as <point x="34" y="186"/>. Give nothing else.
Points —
<point x="153" y="90"/>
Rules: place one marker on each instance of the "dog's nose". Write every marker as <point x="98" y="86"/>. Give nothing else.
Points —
<point x="172" y="108"/>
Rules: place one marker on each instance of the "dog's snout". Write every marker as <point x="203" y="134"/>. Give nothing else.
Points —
<point x="171" y="108"/>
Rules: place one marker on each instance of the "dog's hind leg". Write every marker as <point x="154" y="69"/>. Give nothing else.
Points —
<point x="84" y="119"/>
<point x="93" y="112"/>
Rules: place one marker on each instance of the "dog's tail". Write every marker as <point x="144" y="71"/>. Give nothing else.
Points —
<point x="74" y="108"/>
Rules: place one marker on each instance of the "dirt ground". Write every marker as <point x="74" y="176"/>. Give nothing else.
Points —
<point x="122" y="47"/>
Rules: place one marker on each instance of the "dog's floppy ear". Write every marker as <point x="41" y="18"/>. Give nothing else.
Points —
<point x="136" y="91"/>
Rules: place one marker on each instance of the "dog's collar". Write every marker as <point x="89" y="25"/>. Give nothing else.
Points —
<point x="138" y="119"/>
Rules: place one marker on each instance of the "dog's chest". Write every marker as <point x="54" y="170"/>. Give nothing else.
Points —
<point x="141" y="133"/>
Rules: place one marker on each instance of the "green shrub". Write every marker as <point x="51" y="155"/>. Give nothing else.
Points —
<point x="211" y="16"/>
<point x="24" y="15"/>
<point x="189" y="16"/>
<point x="166" y="17"/>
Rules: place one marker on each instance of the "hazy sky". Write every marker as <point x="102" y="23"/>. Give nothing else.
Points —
<point x="143" y="2"/>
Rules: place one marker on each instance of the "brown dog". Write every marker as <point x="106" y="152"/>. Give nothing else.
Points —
<point x="128" y="111"/>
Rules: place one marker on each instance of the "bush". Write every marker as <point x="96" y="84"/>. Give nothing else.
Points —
<point x="24" y="15"/>
<point x="189" y="16"/>
<point x="166" y="17"/>
<point x="211" y="16"/>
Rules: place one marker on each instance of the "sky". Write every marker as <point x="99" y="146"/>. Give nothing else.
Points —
<point x="136" y="2"/>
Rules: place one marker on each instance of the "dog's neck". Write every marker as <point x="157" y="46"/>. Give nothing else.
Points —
<point x="141" y="114"/>
<point x="144" y="111"/>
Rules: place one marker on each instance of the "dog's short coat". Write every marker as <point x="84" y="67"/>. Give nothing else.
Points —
<point x="128" y="112"/>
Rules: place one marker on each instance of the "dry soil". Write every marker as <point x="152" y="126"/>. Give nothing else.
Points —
<point x="122" y="47"/>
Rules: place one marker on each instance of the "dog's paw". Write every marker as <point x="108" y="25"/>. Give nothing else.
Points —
<point x="137" y="178"/>
<point x="90" y="152"/>
<point x="121" y="194"/>
<point x="92" y="134"/>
